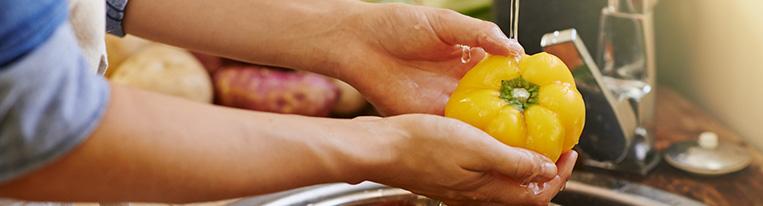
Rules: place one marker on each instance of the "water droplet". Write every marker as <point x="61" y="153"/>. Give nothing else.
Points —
<point x="517" y="58"/>
<point x="535" y="187"/>
<point x="466" y="54"/>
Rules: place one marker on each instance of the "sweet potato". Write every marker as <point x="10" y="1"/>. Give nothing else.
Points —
<point x="264" y="89"/>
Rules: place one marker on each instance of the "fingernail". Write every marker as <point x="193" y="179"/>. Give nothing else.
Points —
<point x="574" y="154"/>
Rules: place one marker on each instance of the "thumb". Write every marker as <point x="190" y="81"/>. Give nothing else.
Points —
<point x="455" y="28"/>
<point x="521" y="164"/>
<point x="518" y="164"/>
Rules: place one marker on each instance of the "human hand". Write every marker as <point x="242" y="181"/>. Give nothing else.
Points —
<point x="448" y="160"/>
<point x="405" y="58"/>
<point x="401" y="57"/>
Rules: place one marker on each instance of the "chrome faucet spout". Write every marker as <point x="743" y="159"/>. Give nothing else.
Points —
<point x="614" y="136"/>
<point x="617" y="79"/>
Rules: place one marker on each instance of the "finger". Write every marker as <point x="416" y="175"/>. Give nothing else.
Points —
<point x="454" y="67"/>
<point x="507" y="191"/>
<point x="566" y="163"/>
<point x="522" y="165"/>
<point x="551" y="188"/>
<point x="454" y="28"/>
<point x="516" y="163"/>
<point x="475" y="56"/>
<point x="501" y="191"/>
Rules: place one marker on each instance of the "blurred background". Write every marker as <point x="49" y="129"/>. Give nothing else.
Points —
<point x="709" y="51"/>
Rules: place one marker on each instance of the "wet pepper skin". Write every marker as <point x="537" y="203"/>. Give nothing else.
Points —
<point x="530" y="103"/>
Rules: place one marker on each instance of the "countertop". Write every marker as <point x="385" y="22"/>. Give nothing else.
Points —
<point x="677" y="120"/>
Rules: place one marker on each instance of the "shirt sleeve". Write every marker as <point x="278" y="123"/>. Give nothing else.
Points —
<point x="115" y="13"/>
<point x="50" y="103"/>
<point x="25" y="25"/>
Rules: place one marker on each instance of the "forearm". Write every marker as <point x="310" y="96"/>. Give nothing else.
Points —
<point x="297" y="34"/>
<point x="154" y="148"/>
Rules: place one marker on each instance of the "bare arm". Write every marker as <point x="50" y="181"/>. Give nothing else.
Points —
<point x="411" y="50"/>
<point x="147" y="150"/>
<point x="301" y="34"/>
<point x="153" y="148"/>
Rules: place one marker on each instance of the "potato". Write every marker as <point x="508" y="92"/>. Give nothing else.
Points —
<point x="350" y="100"/>
<point x="119" y="49"/>
<point x="166" y="70"/>
<point x="269" y="90"/>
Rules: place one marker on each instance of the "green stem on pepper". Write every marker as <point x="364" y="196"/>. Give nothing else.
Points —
<point x="519" y="93"/>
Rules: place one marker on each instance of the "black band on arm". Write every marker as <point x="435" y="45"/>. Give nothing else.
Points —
<point x="115" y="13"/>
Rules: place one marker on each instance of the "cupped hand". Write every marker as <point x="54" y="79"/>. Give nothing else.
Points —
<point x="449" y="160"/>
<point x="406" y="59"/>
<point x="530" y="194"/>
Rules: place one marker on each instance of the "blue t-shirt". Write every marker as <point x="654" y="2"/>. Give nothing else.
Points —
<point x="24" y="25"/>
<point x="50" y="101"/>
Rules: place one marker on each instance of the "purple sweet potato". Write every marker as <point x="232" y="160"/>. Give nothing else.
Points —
<point x="269" y="90"/>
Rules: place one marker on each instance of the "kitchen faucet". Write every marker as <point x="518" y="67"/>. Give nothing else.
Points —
<point x="618" y="84"/>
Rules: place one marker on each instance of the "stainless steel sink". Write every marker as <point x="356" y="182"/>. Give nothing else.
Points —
<point x="583" y="189"/>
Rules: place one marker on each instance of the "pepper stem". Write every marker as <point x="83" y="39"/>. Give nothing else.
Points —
<point x="519" y="93"/>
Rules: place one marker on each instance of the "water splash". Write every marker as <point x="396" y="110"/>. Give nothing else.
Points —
<point x="466" y="53"/>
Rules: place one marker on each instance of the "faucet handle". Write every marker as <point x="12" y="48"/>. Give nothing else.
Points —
<point x="610" y="122"/>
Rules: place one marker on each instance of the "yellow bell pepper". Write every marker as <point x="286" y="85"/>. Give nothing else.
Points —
<point x="530" y="103"/>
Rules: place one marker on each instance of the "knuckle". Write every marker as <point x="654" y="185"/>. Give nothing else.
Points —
<point x="487" y="31"/>
<point x="488" y="25"/>
<point x="444" y="16"/>
<point x="484" y="36"/>
<point x="471" y="182"/>
<point x="446" y="12"/>
<point x="524" y="166"/>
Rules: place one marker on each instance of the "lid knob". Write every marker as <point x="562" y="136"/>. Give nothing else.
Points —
<point x="708" y="140"/>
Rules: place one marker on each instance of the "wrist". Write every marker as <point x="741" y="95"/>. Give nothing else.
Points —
<point x="339" y="53"/>
<point x="367" y="148"/>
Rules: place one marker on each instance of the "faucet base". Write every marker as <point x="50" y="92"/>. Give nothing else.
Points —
<point x="633" y="163"/>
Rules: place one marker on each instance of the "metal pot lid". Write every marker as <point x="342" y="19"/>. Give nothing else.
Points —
<point x="707" y="156"/>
